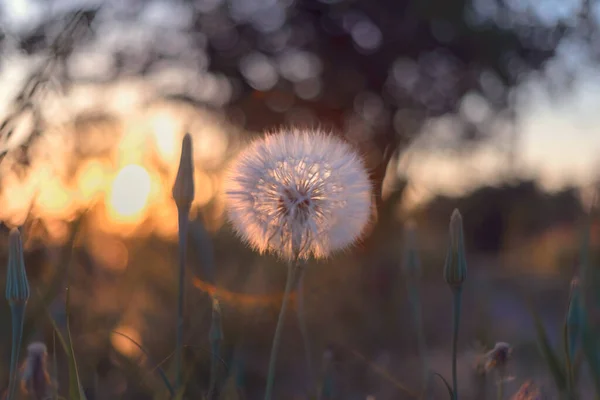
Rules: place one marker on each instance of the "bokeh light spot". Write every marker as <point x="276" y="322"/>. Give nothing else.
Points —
<point x="130" y="191"/>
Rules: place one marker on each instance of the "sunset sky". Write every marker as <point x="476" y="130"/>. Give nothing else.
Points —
<point x="558" y="142"/>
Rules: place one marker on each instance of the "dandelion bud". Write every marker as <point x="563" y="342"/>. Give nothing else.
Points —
<point x="17" y="285"/>
<point x="455" y="268"/>
<point x="183" y="188"/>
<point x="35" y="379"/>
<point x="412" y="264"/>
<point x="575" y="318"/>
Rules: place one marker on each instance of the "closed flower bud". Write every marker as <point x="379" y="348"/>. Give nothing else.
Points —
<point x="17" y="285"/>
<point x="455" y="268"/>
<point x="183" y="188"/>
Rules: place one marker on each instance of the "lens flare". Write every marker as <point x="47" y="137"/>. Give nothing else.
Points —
<point x="130" y="191"/>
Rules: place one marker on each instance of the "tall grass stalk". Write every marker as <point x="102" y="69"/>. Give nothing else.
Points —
<point x="456" y="308"/>
<point x="183" y="194"/>
<point x="415" y="301"/>
<point x="411" y="268"/>
<point x="17" y="295"/>
<point x="500" y="386"/>
<point x="183" y="213"/>
<point x="215" y="339"/>
<point x="17" y="310"/>
<point x="291" y="274"/>
<point x="455" y="273"/>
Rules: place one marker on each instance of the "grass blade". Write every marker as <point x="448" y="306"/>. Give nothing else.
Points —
<point x="159" y="370"/>
<point x="450" y="391"/>
<point x="75" y="391"/>
<point x="547" y="352"/>
<point x="591" y="352"/>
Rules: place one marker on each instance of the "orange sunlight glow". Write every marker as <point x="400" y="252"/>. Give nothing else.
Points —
<point x="121" y="339"/>
<point x="119" y="173"/>
<point x="129" y="193"/>
<point x="167" y="142"/>
<point x="244" y="300"/>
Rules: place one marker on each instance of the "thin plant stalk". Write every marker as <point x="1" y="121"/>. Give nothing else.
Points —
<point x="292" y="265"/>
<point x="456" y="294"/>
<point x="501" y="388"/>
<point x="183" y="213"/>
<point x="215" y="339"/>
<point x="415" y="300"/>
<point x="303" y="330"/>
<point x="18" y="317"/>
<point x="54" y="367"/>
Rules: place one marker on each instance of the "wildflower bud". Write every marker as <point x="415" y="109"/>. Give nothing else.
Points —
<point x="498" y="356"/>
<point x="412" y="263"/>
<point x="183" y="188"/>
<point x="17" y="285"/>
<point x="455" y="268"/>
<point x="575" y="318"/>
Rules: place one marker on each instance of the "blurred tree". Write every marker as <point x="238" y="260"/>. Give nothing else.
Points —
<point x="517" y="211"/>
<point x="375" y="70"/>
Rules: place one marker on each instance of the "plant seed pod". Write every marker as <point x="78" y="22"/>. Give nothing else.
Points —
<point x="455" y="268"/>
<point x="183" y="188"/>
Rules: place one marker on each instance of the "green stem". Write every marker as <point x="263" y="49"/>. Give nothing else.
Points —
<point x="277" y="338"/>
<point x="183" y="230"/>
<point x="456" y="294"/>
<point x="214" y="368"/>
<point x="18" y="316"/>
<point x="54" y="367"/>
<point x="501" y="387"/>
<point x="303" y="329"/>
<point x="415" y="300"/>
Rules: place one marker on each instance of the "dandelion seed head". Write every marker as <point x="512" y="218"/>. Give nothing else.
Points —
<point x="299" y="194"/>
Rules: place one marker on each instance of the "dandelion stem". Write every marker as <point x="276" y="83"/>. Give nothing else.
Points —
<point x="17" y="309"/>
<point x="276" y="339"/>
<point x="183" y="231"/>
<point x="303" y="329"/>
<point x="456" y="294"/>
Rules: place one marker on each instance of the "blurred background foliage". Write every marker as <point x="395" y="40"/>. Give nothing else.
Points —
<point x="97" y="95"/>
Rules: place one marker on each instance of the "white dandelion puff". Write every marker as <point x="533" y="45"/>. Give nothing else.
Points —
<point x="299" y="193"/>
